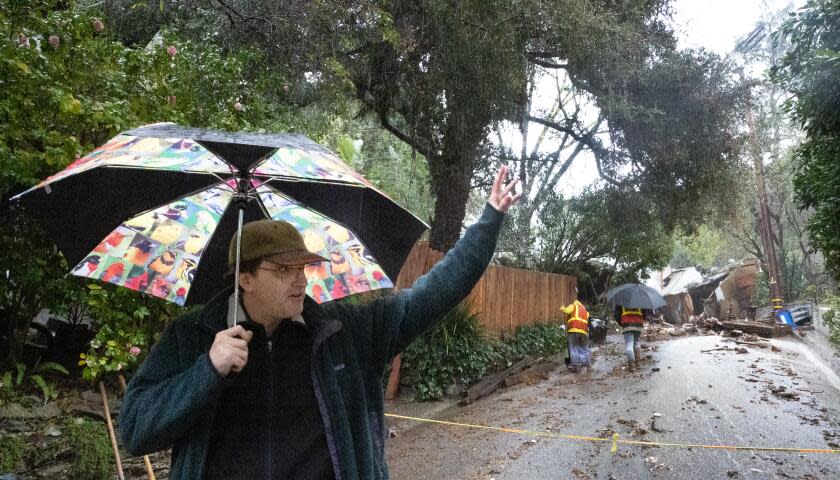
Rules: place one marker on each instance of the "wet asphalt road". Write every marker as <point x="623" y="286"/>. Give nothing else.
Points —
<point x="714" y="398"/>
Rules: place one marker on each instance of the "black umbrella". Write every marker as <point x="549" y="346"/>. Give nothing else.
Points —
<point x="634" y="295"/>
<point x="155" y="208"/>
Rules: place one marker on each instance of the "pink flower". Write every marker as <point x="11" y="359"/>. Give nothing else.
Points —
<point x="54" y="41"/>
<point x="238" y="107"/>
<point x="98" y="26"/>
<point x="134" y="351"/>
<point x="171" y="50"/>
<point x="285" y="89"/>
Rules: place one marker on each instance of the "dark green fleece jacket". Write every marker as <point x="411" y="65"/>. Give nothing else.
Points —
<point x="171" y="400"/>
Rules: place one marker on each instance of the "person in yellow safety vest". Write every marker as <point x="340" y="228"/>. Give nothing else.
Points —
<point x="632" y="323"/>
<point x="577" y="335"/>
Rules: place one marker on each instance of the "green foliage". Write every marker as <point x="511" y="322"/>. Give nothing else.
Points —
<point x="13" y="382"/>
<point x="810" y="72"/>
<point x="67" y="100"/>
<point x="112" y="351"/>
<point x="127" y="325"/>
<point x="457" y="350"/>
<point x="12" y="449"/>
<point x="92" y="455"/>
<point x="61" y="102"/>
<point x="707" y="247"/>
<point x="571" y="232"/>
<point x="390" y="164"/>
<point x="36" y="278"/>
<point x="761" y="296"/>
<point x="832" y="318"/>
<point x="543" y="340"/>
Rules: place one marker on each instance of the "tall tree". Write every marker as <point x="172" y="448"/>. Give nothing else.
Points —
<point x="668" y="115"/>
<point x="439" y="75"/>
<point x="810" y="72"/>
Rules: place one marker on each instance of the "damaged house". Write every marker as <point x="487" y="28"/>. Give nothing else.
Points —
<point x="688" y="292"/>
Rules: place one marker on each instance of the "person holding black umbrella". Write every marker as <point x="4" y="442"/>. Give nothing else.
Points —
<point x="632" y="323"/>
<point x="633" y="303"/>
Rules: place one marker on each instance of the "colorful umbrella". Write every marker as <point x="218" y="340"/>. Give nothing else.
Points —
<point x="155" y="208"/>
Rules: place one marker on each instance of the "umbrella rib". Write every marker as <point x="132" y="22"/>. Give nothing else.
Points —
<point x="50" y="183"/>
<point x="262" y="205"/>
<point x="189" y="194"/>
<point x="297" y="202"/>
<point x="290" y="178"/>
<point x="223" y="183"/>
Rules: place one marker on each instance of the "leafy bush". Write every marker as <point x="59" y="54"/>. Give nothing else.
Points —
<point x="832" y="318"/>
<point x="11" y="451"/>
<point x="540" y="340"/>
<point x="67" y="95"/>
<point x="457" y="350"/>
<point x="12" y="381"/>
<point x="128" y="323"/>
<point x="93" y="458"/>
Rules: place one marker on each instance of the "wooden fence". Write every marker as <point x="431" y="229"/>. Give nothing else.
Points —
<point x="506" y="298"/>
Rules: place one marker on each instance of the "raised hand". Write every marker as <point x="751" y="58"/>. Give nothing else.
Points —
<point x="502" y="196"/>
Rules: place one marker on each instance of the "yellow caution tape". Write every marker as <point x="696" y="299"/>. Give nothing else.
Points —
<point x="615" y="440"/>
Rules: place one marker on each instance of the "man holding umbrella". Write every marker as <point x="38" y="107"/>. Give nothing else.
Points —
<point x="294" y="391"/>
<point x="632" y="323"/>
<point x="633" y="303"/>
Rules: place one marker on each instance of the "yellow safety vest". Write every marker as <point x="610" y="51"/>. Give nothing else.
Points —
<point x="579" y="321"/>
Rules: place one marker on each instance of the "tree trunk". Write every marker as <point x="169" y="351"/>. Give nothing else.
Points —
<point x="451" y="184"/>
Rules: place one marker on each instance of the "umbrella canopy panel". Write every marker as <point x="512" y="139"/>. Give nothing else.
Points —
<point x="158" y="252"/>
<point x="352" y="267"/>
<point x="634" y="295"/>
<point x="103" y="195"/>
<point x="386" y="228"/>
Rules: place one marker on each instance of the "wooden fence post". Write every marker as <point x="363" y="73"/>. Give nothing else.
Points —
<point x="393" y="379"/>
<point x="111" y="429"/>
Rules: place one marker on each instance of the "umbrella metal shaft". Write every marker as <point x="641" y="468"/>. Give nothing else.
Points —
<point x="236" y="273"/>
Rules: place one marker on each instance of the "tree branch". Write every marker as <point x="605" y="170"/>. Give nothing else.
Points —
<point x="547" y="64"/>
<point x="413" y="142"/>
<point x="229" y="11"/>
<point x="587" y="139"/>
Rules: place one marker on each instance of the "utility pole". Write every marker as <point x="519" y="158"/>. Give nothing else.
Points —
<point x="773" y="275"/>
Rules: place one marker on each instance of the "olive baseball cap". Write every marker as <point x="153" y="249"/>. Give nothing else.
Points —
<point x="272" y="238"/>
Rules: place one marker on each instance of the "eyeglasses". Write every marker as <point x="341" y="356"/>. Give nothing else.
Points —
<point x="286" y="273"/>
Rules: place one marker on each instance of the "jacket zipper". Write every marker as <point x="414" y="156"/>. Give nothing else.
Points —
<point x="322" y="406"/>
<point x="272" y="407"/>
